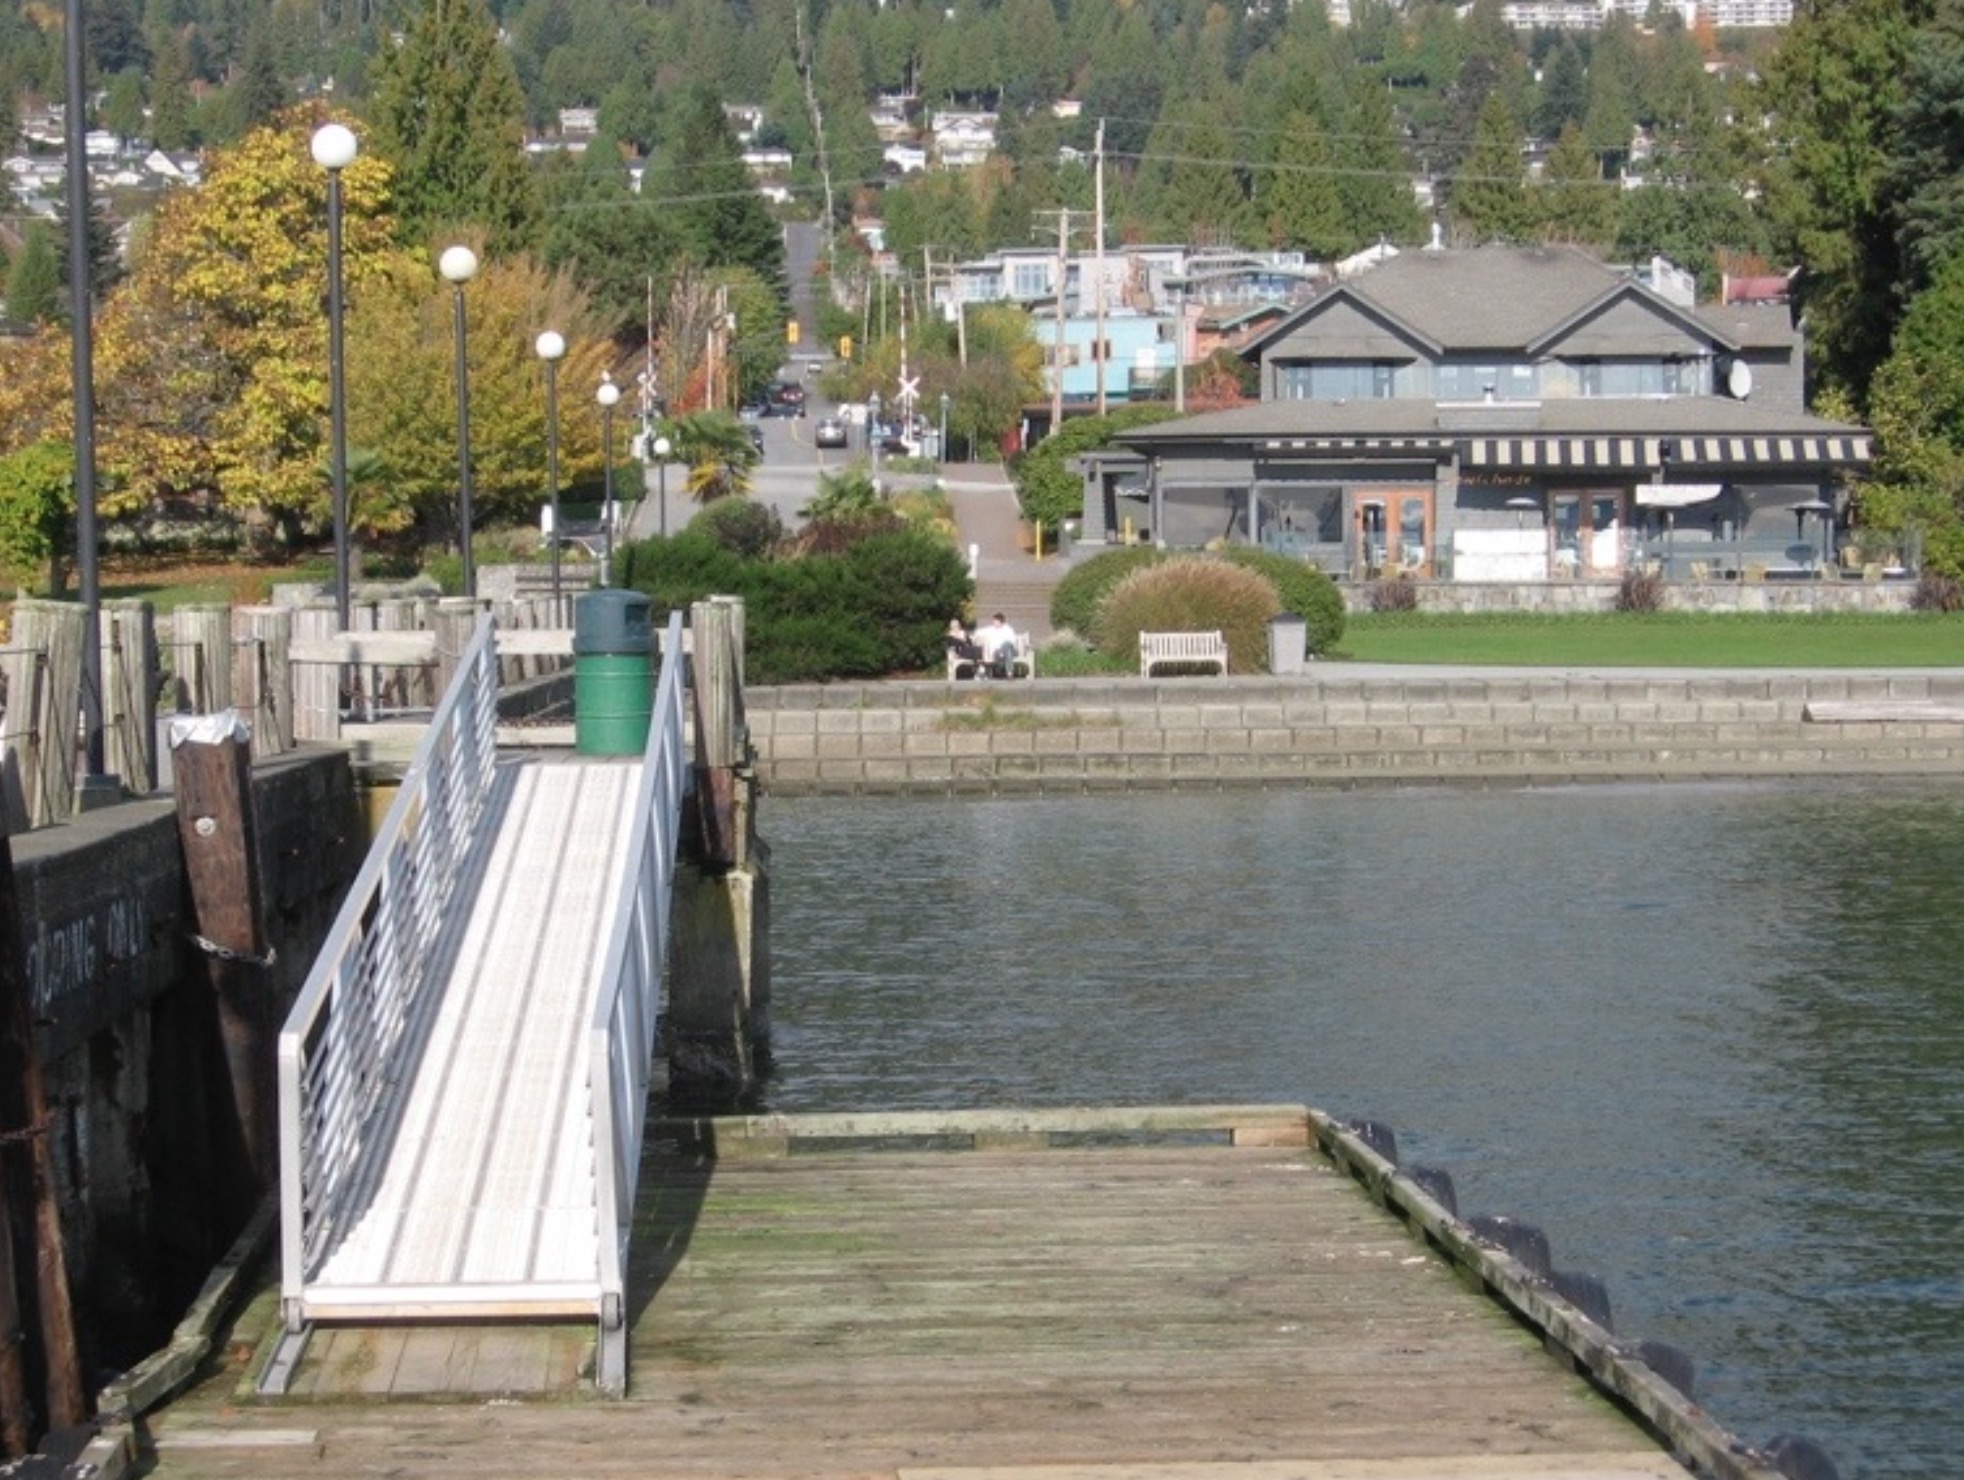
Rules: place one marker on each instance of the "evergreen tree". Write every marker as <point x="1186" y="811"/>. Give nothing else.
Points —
<point x="1926" y="171"/>
<point x="115" y="36"/>
<point x="1573" y="201"/>
<point x="105" y="268"/>
<point x="36" y="290"/>
<point x="1302" y="205"/>
<point x="1376" y="176"/>
<point x="1837" y="83"/>
<point x="170" y="94"/>
<point x="1918" y="411"/>
<point x="449" y="116"/>
<point x="610" y="239"/>
<point x="258" y="93"/>
<point x="709" y="197"/>
<point x="1198" y="198"/>
<point x="1564" y="95"/>
<point x="122" y="106"/>
<point x="1489" y="194"/>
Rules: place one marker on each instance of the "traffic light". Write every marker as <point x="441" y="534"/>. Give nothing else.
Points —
<point x="845" y="346"/>
<point x="790" y="331"/>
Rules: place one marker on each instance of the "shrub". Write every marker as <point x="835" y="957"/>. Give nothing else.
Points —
<point x="1074" y="604"/>
<point x="837" y="533"/>
<point x="1048" y="484"/>
<point x="1399" y="594"/>
<point x="1190" y="595"/>
<point x="1937" y="593"/>
<point x="850" y="494"/>
<point x="742" y="526"/>
<point x="1304" y="589"/>
<point x="877" y="606"/>
<point x="1640" y="591"/>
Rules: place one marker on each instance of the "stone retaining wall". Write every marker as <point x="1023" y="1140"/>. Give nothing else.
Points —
<point x="1069" y="735"/>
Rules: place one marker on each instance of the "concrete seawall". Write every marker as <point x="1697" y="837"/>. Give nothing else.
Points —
<point x="1346" y="726"/>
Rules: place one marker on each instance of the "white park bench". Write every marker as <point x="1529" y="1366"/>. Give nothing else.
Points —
<point x="1025" y="660"/>
<point x="1181" y="647"/>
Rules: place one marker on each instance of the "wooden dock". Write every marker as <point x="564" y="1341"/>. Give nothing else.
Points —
<point x="1063" y="1295"/>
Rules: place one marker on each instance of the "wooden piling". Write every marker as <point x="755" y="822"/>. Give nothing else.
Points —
<point x="53" y="630"/>
<point x="202" y="666"/>
<point x="211" y="760"/>
<point x="262" y="638"/>
<point x="130" y="670"/>
<point x="28" y="1171"/>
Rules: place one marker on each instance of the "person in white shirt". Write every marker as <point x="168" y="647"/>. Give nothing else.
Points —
<point x="997" y="639"/>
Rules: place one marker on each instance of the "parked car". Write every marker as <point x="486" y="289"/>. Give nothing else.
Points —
<point x="830" y="432"/>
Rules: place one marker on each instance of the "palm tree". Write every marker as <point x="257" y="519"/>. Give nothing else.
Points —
<point x="719" y="452"/>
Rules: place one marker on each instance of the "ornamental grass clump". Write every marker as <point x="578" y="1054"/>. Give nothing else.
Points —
<point x="1074" y="604"/>
<point x="1190" y="595"/>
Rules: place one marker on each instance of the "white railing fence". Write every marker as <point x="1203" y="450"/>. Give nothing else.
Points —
<point x="621" y="1035"/>
<point x="353" y="1025"/>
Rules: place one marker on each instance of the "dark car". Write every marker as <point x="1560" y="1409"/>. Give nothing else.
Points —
<point x="785" y="398"/>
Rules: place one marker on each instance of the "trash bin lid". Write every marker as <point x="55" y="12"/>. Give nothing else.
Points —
<point x="613" y="622"/>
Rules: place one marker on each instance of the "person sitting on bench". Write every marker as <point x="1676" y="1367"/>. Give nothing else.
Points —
<point x="959" y="643"/>
<point x="997" y="640"/>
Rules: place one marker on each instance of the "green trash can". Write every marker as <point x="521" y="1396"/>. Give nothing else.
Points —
<point x="613" y="672"/>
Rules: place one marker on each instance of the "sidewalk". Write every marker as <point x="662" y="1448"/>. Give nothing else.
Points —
<point x="1006" y="579"/>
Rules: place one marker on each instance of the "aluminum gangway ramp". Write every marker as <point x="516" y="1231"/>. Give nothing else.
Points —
<point x="464" y="1077"/>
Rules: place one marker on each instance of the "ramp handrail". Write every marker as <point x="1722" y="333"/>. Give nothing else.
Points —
<point x="621" y="1033"/>
<point x="342" y="1048"/>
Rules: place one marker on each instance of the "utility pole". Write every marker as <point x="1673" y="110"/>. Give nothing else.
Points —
<point x="818" y="139"/>
<point x="1098" y="259"/>
<point x="1057" y="342"/>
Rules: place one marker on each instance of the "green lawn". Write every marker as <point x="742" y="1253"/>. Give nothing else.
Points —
<point x="1662" y="639"/>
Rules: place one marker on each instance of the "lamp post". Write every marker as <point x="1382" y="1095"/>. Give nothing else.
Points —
<point x="873" y="436"/>
<point x="661" y="448"/>
<point x="334" y="149"/>
<point x="608" y="396"/>
<point x="551" y="347"/>
<point x="458" y="266"/>
<point x="943" y="443"/>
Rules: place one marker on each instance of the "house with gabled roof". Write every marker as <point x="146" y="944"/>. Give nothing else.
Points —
<point x="1503" y="414"/>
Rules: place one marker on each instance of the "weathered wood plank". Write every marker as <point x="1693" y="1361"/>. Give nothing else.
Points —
<point x="1133" y="1312"/>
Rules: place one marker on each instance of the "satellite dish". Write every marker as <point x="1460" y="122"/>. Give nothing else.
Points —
<point x="1739" y="380"/>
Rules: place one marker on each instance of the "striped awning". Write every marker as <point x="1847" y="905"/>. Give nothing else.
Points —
<point x="1428" y="445"/>
<point x="1583" y="453"/>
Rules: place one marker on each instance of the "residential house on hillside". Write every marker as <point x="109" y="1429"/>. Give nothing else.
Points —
<point x="1502" y="414"/>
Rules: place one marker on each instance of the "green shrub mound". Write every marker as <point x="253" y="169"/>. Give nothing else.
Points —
<point x="1304" y="590"/>
<point x="1074" y="604"/>
<point x="875" y="606"/>
<point x="741" y="526"/>
<point x="1191" y="595"/>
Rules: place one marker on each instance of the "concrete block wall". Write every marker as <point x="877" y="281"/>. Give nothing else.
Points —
<point x="1331" y="729"/>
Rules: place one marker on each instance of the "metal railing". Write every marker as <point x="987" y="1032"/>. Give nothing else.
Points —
<point x="346" y="1042"/>
<point x="621" y="1034"/>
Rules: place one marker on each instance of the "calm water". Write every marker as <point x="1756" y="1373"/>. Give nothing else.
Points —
<point x="1711" y="1038"/>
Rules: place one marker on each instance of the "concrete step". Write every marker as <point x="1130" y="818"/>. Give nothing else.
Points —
<point x="1025" y="603"/>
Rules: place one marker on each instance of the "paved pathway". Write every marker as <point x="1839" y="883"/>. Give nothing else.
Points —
<point x="1007" y="579"/>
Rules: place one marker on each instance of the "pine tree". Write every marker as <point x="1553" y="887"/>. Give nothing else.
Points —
<point x="1375" y="174"/>
<point x="258" y="93"/>
<point x="1489" y="192"/>
<point x="1302" y="205"/>
<point x="449" y="116"/>
<point x="170" y="94"/>
<point x="1573" y="201"/>
<point x="35" y="287"/>
<point x="710" y="198"/>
